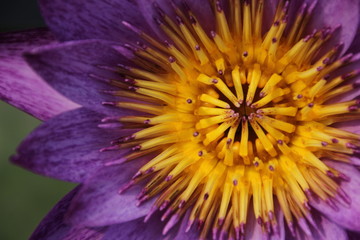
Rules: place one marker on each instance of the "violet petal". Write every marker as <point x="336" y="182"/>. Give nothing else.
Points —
<point x="20" y="86"/>
<point x="82" y="19"/>
<point x="254" y="231"/>
<point x="193" y="233"/>
<point x="200" y="8"/>
<point x="327" y="230"/>
<point x="67" y="146"/>
<point x="136" y="229"/>
<point x="347" y="217"/>
<point x="52" y="227"/>
<point x="69" y="68"/>
<point x="98" y="203"/>
<point x="332" y="13"/>
<point x="324" y="229"/>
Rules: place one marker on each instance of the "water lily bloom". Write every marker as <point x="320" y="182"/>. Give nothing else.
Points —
<point x="201" y="119"/>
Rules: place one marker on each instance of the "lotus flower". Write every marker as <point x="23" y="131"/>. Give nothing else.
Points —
<point x="192" y="119"/>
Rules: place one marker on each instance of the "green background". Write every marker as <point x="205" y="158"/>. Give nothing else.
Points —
<point x="25" y="198"/>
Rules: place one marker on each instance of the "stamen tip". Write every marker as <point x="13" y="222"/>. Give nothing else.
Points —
<point x="206" y="196"/>
<point x="138" y="174"/>
<point x="330" y="174"/>
<point x="136" y="148"/>
<point x="307" y="206"/>
<point x="171" y="59"/>
<point x="179" y="20"/>
<point x="344" y="177"/>
<point x="168" y="178"/>
<point x="353" y="108"/>
<point x="271" y="215"/>
<point x="182" y="203"/>
<point x="189" y="225"/>
<point x="108" y="103"/>
<point x="200" y="224"/>
<point x="221" y="221"/>
<point x="215" y="231"/>
<point x="292" y="229"/>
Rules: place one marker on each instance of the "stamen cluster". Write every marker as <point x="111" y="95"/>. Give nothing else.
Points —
<point x="235" y="119"/>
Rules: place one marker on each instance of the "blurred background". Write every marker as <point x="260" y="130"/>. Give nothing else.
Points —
<point x="25" y="198"/>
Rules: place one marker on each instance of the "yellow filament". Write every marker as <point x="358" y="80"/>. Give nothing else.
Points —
<point x="236" y="117"/>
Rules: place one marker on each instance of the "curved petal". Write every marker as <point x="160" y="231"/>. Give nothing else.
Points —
<point x="355" y="47"/>
<point x="350" y="126"/>
<point x="130" y="230"/>
<point x="193" y="233"/>
<point x="347" y="217"/>
<point x="67" y="146"/>
<point x="82" y="19"/>
<point x="98" y="203"/>
<point x="73" y="69"/>
<point x="327" y="230"/>
<point x="323" y="229"/>
<point x="52" y="227"/>
<point x="353" y="67"/>
<point x="20" y="86"/>
<point x="254" y="231"/>
<point x="200" y="8"/>
<point x="332" y="13"/>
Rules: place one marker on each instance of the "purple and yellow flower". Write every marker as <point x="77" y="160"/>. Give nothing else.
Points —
<point x="193" y="120"/>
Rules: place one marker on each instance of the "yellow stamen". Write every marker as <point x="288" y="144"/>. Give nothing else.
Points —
<point x="233" y="116"/>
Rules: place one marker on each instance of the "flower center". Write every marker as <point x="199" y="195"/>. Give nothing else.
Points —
<point x="235" y="118"/>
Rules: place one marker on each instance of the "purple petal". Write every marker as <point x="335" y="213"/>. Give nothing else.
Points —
<point x="355" y="47"/>
<point x="98" y="203"/>
<point x="52" y="227"/>
<point x="324" y="229"/>
<point x="69" y="68"/>
<point x="352" y="126"/>
<point x="67" y="146"/>
<point x="200" y="8"/>
<point x="327" y="230"/>
<point x="193" y="233"/>
<point x="344" y="71"/>
<point x="347" y="217"/>
<point x="254" y="231"/>
<point x="332" y="13"/>
<point x="136" y="229"/>
<point x="19" y="84"/>
<point x="82" y="19"/>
